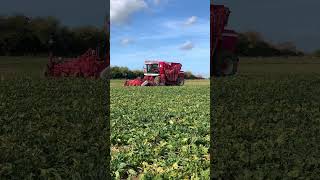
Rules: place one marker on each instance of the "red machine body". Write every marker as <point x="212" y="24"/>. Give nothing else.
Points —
<point x="159" y="73"/>
<point x="223" y="43"/>
<point x="87" y="65"/>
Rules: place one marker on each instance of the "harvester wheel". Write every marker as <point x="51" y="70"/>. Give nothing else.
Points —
<point x="105" y="73"/>
<point x="45" y="71"/>
<point x="64" y="74"/>
<point x="156" y="81"/>
<point x="180" y="81"/>
<point x="226" y="64"/>
<point x="76" y="74"/>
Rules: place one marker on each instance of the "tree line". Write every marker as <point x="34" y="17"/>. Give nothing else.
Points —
<point x="21" y="35"/>
<point x="253" y="44"/>
<point x="317" y="53"/>
<point x="125" y="73"/>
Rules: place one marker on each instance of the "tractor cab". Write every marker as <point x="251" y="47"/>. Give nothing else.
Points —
<point x="151" y="68"/>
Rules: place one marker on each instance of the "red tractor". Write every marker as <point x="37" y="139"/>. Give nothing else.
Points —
<point x="224" y="61"/>
<point x="159" y="73"/>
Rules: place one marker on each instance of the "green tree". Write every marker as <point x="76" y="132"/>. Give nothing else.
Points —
<point x="20" y="35"/>
<point x="252" y="43"/>
<point x="317" y="53"/>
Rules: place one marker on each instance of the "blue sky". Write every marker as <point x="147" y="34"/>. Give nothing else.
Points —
<point x="278" y="21"/>
<point x="170" y="30"/>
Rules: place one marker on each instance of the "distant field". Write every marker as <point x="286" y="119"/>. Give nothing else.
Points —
<point x="22" y="66"/>
<point x="279" y="66"/>
<point x="267" y="120"/>
<point x="33" y="66"/>
<point x="120" y="82"/>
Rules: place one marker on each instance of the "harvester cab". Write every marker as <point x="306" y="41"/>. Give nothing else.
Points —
<point x="224" y="61"/>
<point x="159" y="73"/>
<point x="151" y="68"/>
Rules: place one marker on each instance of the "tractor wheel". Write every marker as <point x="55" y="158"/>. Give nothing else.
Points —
<point x="225" y="64"/>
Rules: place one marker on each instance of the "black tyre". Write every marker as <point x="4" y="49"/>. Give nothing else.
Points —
<point x="180" y="81"/>
<point x="225" y="64"/>
<point x="105" y="74"/>
<point x="45" y="71"/>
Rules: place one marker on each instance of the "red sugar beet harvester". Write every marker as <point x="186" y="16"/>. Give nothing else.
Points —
<point x="224" y="61"/>
<point x="159" y="73"/>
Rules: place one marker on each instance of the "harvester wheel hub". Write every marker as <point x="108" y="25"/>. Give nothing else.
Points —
<point x="157" y="81"/>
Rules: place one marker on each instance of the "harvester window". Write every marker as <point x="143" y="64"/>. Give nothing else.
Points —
<point x="152" y="68"/>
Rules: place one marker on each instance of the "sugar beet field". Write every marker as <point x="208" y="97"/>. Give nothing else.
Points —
<point x="267" y="121"/>
<point x="161" y="132"/>
<point x="50" y="129"/>
<point x="266" y="125"/>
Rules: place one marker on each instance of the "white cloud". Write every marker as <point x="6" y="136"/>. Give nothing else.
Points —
<point x="172" y="30"/>
<point x="126" y="41"/>
<point x="187" y="46"/>
<point x="121" y="10"/>
<point x="176" y="24"/>
<point x="167" y="30"/>
<point x="172" y="24"/>
<point x="191" y="20"/>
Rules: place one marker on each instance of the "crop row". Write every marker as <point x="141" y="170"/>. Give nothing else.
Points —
<point x="160" y="132"/>
<point x="53" y="129"/>
<point x="266" y="127"/>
